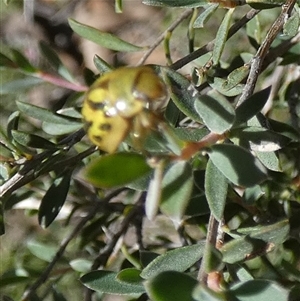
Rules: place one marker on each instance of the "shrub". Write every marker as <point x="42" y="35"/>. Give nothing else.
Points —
<point x="200" y="201"/>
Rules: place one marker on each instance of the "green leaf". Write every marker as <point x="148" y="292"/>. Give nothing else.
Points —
<point x="236" y="76"/>
<point x="216" y="187"/>
<point x="45" y="115"/>
<point x="258" y="241"/>
<point x="259" y="139"/>
<point x="252" y="194"/>
<point x="251" y="106"/>
<point x="118" y="6"/>
<point x="219" y="84"/>
<point x="237" y="164"/>
<point x="107" y="282"/>
<point x="12" y="124"/>
<point x="60" y="129"/>
<point x="203" y="293"/>
<point x="176" y="3"/>
<point x="260" y="290"/>
<point x="81" y="265"/>
<point x="291" y="26"/>
<point x="22" y="61"/>
<point x="218" y="115"/>
<point x="176" y="190"/>
<point x="55" y="62"/>
<point x="205" y="15"/>
<point x="101" y="65"/>
<point x="103" y="39"/>
<point x="284" y="129"/>
<point x="243" y="274"/>
<point x="54" y="199"/>
<point x="4" y="175"/>
<point x="221" y="37"/>
<point x="131" y="276"/>
<point x="31" y="140"/>
<point x="191" y="134"/>
<point x="179" y="259"/>
<point x="269" y="160"/>
<point x="18" y="85"/>
<point x="183" y="93"/>
<point x="116" y="169"/>
<point x="172" y="113"/>
<point x="42" y="251"/>
<point x="171" y="285"/>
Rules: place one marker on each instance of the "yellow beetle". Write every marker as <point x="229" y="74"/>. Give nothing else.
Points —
<point x="128" y="99"/>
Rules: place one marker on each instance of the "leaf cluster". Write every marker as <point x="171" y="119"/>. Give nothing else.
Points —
<point x="208" y="210"/>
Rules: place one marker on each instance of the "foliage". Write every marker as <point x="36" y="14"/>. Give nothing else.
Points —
<point x="206" y="208"/>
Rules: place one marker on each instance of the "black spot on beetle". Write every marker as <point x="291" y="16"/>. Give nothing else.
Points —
<point x="105" y="127"/>
<point x="95" y="106"/>
<point x="97" y="138"/>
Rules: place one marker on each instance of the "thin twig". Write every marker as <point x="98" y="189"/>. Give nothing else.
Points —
<point x="258" y="59"/>
<point x="211" y="240"/>
<point x="279" y="50"/>
<point x="105" y="253"/>
<point x="44" y="276"/>
<point x="29" y="173"/>
<point x="183" y="16"/>
<point x="210" y="46"/>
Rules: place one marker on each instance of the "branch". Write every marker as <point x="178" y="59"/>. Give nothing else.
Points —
<point x="210" y="46"/>
<point x="257" y="61"/>
<point x="29" y="171"/>
<point x="106" y="252"/>
<point x="214" y="238"/>
<point x="44" y="276"/>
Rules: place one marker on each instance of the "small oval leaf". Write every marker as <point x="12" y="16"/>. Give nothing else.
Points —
<point x="183" y="93"/>
<point x="260" y="139"/>
<point x="218" y="115"/>
<point x="130" y="275"/>
<point x="236" y="76"/>
<point x="108" y="283"/>
<point x="215" y="190"/>
<point x="116" y="169"/>
<point x="179" y="260"/>
<point x="42" y="251"/>
<point x="177" y="188"/>
<point x="251" y="106"/>
<point x="238" y="165"/>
